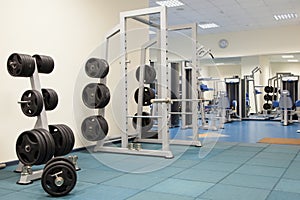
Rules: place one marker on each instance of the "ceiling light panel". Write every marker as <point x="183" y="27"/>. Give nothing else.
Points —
<point x="287" y="56"/>
<point x="208" y="25"/>
<point x="170" y="3"/>
<point x="293" y="60"/>
<point x="286" y="16"/>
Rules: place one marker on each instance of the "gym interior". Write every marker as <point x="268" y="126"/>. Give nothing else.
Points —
<point x="146" y="99"/>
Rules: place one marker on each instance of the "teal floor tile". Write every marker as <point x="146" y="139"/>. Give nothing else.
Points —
<point x="97" y="175"/>
<point x="216" y="166"/>
<point x="261" y="170"/>
<point x="247" y="148"/>
<point x="229" y="192"/>
<point x="181" y="187"/>
<point x="289" y="149"/>
<point x="246" y="154"/>
<point x="297" y="158"/>
<point x="202" y="175"/>
<point x="134" y="181"/>
<point x="5" y="192"/>
<point x="244" y="180"/>
<point x="147" y="195"/>
<point x="4" y="174"/>
<point x="165" y="172"/>
<point x="89" y="163"/>
<point x="269" y="162"/>
<point x="229" y="159"/>
<point x="279" y="195"/>
<point x="11" y="184"/>
<point x="184" y="163"/>
<point x="292" y="173"/>
<point x="104" y="192"/>
<point x="262" y="145"/>
<point x="275" y="156"/>
<point x="288" y="185"/>
<point x="25" y="195"/>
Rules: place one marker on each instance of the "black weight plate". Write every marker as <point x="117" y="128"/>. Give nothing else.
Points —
<point x="30" y="147"/>
<point x="50" y="99"/>
<point x="60" y="139"/>
<point x="267" y="106"/>
<point x="267" y="97"/>
<point x="66" y="140"/>
<point x="147" y="123"/>
<point x="97" y="68"/>
<point x="96" y="95"/>
<point x="20" y="65"/>
<point x="94" y="128"/>
<point x="50" y="144"/>
<point x="45" y="64"/>
<point x="267" y="89"/>
<point x="59" y="158"/>
<point x="149" y="74"/>
<point x="71" y="137"/>
<point x="147" y="96"/>
<point x="58" y="169"/>
<point x="69" y="141"/>
<point x="34" y="104"/>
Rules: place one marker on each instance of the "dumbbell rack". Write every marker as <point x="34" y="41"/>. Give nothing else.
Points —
<point x="27" y="174"/>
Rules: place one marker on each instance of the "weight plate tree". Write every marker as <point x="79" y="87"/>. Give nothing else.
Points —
<point x="20" y="65"/>
<point x="96" y="95"/>
<point x="149" y="75"/>
<point x="59" y="177"/>
<point x="147" y="123"/>
<point x="50" y="99"/>
<point x="147" y="96"/>
<point x="94" y="128"/>
<point x="45" y="64"/>
<point x="31" y="103"/>
<point x="96" y="68"/>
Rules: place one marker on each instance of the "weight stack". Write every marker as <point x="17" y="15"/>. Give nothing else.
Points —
<point x="96" y="96"/>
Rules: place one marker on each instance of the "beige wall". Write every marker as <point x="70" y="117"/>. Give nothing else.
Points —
<point x="67" y="30"/>
<point x="282" y="39"/>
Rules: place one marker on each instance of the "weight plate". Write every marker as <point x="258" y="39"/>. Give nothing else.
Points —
<point x="96" y="95"/>
<point x="30" y="148"/>
<point x="58" y="178"/>
<point x="69" y="142"/>
<point x="20" y="65"/>
<point x="148" y="95"/>
<point x="50" y="99"/>
<point x="267" y="97"/>
<point x="267" y="89"/>
<point x="59" y="158"/>
<point x="31" y="103"/>
<point x="45" y="64"/>
<point x="267" y="106"/>
<point x="60" y="139"/>
<point x="71" y="137"/>
<point x="147" y="123"/>
<point x="149" y="74"/>
<point x="50" y="144"/>
<point x="94" y="128"/>
<point x="97" y="68"/>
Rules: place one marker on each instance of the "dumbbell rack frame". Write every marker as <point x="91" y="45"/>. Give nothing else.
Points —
<point x="27" y="174"/>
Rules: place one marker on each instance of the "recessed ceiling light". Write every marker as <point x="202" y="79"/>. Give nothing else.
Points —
<point x="279" y="17"/>
<point x="170" y="3"/>
<point x="287" y="56"/>
<point x="293" y="60"/>
<point x="208" y="25"/>
<point x="220" y="63"/>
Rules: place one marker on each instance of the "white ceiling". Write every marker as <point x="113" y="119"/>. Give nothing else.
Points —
<point x="233" y="15"/>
